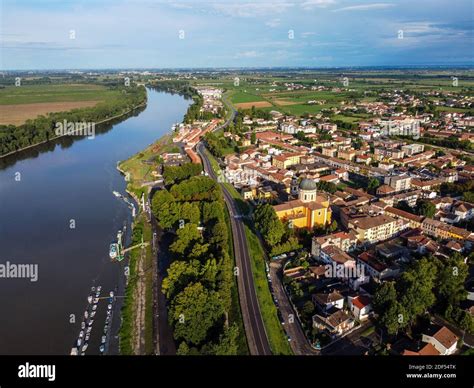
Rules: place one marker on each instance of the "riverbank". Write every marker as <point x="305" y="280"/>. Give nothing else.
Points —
<point x="104" y="121"/>
<point x="139" y="334"/>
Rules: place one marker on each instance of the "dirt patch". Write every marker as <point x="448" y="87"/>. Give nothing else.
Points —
<point x="19" y="113"/>
<point x="282" y="102"/>
<point x="256" y="104"/>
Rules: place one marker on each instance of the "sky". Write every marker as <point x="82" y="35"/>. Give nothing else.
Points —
<point x="103" y="34"/>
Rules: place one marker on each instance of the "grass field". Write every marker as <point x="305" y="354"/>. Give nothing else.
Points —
<point x="275" y="333"/>
<point x="18" y="104"/>
<point x="270" y="91"/>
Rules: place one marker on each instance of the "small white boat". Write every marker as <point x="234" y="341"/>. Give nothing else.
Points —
<point x="74" y="352"/>
<point x="113" y="250"/>
<point x="83" y="325"/>
<point x="89" y="299"/>
<point x="106" y="328"/>
<point x="92" y="314"/>
<point x="102" y="348"/>
<point x="91" y="322"/>
<point x="97" y="294"/>
<point x="103" y="339"/>
<point x="81" y="334"/>
<point x="88" y="336"/>
<point x="86" y="314"/>
<point x="83" y="354"/>
<point x="94" y="307"/>
<point x="109" y="307"/>
<point x="99" y="288"/>
<point x="89" y="329"/>
<point x="117" y="194"/>
<point x="84" y="348"/>
<point x="79" y="342"/>
<point x="111" y="294"/>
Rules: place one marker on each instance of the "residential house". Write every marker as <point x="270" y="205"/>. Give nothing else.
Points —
<point x="443" y="339"/>
<point x="360" y="306"/>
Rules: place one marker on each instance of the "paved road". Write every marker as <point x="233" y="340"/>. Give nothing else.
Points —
<point x="299" y="343"/>
<point x="162" y="332"/>
<point x="254" y="327"/>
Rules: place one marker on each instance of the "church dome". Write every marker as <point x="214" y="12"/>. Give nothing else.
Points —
<point x="307" y="184"/>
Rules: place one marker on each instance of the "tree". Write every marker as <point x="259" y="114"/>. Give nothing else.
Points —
<point x="415" y="288"/>
<point x="253" y="137"/>
<point x="403" y="205"/>
<point x="452" y="273"/>
<point x="373" y="184"/>
<point x="333" y="227"/>
<point x="308" y="309"/>
<point x="385" y="295"/>
<point x="394" y="318"/>
<point x="194" y="312"/>
<point x="269" y="225"/>
<point x="391" y="313"/>
<point x="425" y="208"/>
<point x="179" y="274"/>
<point x="227" y="344"/>
<point x="186" y="236"/>
<point x="190" y="211"/>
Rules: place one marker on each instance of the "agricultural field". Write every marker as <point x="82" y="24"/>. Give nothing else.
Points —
<point x="270" y="92"/>
<point x="18" y="104"/>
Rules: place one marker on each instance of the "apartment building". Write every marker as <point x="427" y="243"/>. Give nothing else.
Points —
<point x="412" y="149"/>
<point x="398" y="182"/>
<point x="371" y="229"/>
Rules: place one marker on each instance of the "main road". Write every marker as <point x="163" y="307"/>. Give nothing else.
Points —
<point x="254" y="327"/>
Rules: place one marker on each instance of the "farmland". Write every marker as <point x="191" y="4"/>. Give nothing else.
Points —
<point x="18" y="104"/>
<point x="318" y="91"/>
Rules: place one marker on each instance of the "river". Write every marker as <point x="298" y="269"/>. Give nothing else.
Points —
<point x="41" y="197"/>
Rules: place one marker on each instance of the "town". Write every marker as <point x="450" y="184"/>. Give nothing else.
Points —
<point x="368" y="228"/>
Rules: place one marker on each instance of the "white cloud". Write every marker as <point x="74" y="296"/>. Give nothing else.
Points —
<point x="310" y="4"/>
<point x="253" y="9"/>
<point x="273" y="23"/>
<point x="422" y="34"/>
<point x="365" y="7"/>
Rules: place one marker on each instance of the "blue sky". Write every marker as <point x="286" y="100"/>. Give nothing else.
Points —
<point x="35" y="34"/>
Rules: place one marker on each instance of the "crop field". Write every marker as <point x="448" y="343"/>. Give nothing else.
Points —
<point x="18" y="104"/>
<point x="270" y="92"/>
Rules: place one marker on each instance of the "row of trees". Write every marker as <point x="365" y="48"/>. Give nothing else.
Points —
<point x="464" y="189"/>
<point x="449" y="142"/>
<point x="423" y="207"/>
<point x="43" y="128"/>
<point x="218" y="145"/>
<point x="328" y="187"/>
<point x="176" y="174"/>
<point x="255" y="113"/>
<point x="199" y="281"/>
<point x="278" y="237"/>
<point x="430" y="283"/>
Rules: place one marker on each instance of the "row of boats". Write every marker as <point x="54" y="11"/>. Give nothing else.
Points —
<point x="82" y="342"/>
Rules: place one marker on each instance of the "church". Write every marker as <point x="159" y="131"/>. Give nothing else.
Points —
<point x="309" y="210"/>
